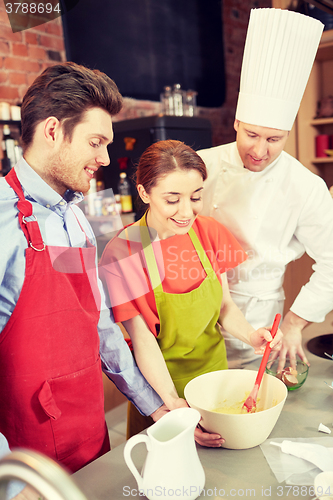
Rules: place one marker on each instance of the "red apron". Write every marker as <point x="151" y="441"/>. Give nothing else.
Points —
<point x="51" y="389"/>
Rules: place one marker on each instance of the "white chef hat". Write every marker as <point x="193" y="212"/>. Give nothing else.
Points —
<point x="279" y="51"/>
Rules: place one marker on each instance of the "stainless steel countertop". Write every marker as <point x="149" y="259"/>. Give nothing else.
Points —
<point x="233" y="473"/>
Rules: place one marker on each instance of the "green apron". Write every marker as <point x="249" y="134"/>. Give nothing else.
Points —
<point x="189" y="337"/>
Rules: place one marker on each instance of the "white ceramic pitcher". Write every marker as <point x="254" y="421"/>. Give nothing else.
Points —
<point x="172" y="468"/>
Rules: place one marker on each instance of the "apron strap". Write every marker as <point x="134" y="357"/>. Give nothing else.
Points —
<point x="128" y="241"/>
<point x="30" y="228"/>
<point x="149" y="255"/>
<point x="205" y="262"/>
<point x="145" y="272"/>
<point x="85" y="234"/>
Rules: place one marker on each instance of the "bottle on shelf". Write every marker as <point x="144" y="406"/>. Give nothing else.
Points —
<point x="91" y="195"/>
<point x="100" y="187"/>
<point x="167" y="101"/>
<point x="178" y="100"/>
<point x="124" y="191"/>
<point x="98" y="204"/>
<point x="9" y="145"/>
<point x="190" y="105"/>
<point x="117" y="204"/>
<point x="5" y="164"/>
<point x="18" y="151"/>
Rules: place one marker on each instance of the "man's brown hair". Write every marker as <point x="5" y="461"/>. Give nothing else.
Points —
<point x="67" y="91"/>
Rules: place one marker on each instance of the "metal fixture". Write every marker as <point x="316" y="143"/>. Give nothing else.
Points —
<point x="48" y="478"/>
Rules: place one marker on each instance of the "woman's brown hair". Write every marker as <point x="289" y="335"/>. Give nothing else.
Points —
<point x="162" y="158"/>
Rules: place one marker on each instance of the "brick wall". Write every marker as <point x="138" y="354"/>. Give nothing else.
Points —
<point x="25" y="54"/>
<point x="235" y="17"/>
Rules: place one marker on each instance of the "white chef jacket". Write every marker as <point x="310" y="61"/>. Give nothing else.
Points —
<point x="276" y="215"/>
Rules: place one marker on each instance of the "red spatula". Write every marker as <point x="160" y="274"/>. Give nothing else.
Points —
<point x="250" y="403"/>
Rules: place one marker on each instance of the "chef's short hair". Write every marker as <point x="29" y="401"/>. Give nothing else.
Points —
<point x="67" y="91"/>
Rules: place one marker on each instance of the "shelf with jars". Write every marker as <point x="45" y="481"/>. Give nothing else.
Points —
<point x="10" y="132"/>
<point x="10" y="150"/>
<point x="308" y="125"/>
<point x="323" y="140"/>
<point x="15" y="123"/>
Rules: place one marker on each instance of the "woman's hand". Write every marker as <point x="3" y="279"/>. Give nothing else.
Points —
<point x="207" y="439"/>
<point x="202" y="437"/>
<point x="261" y="337"/>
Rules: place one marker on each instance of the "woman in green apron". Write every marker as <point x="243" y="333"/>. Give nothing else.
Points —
<point x="164" y="276"/>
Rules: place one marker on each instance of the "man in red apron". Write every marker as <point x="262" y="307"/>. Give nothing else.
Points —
<point x="56" y="331"/>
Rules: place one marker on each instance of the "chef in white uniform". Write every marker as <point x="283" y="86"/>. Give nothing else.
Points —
<point x="276" y="208"/>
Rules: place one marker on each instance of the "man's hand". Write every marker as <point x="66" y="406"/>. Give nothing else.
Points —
<point x="292" y="326"/>
<point x="331" y="191"/>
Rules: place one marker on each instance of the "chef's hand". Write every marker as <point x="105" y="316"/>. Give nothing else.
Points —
<point x="331" y="191"/>
<point x="292" y="326"/>
<point x="261" y="337"/>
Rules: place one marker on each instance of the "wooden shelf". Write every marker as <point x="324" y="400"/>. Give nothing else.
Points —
<point x="325" y="50"/>
<point x="317" y="122"/>
<point x="328" y="159"/>
<point x="10" y="122"/>
<point x="319" y="87"/>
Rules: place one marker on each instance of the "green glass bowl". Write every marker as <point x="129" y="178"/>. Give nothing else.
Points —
<point x="302" y="372"/>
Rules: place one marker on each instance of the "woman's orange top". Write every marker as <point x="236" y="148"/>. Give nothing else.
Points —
<point x="124" y="273"/>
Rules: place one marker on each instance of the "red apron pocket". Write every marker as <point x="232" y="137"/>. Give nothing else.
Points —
<point x="79" y="398"/>
<point x="47" y="402"/>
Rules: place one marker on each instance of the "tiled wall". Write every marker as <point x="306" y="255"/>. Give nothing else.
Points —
<point x="25" y="54"/>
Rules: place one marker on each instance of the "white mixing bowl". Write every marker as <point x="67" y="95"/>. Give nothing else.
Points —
<point x="212" y="390"/>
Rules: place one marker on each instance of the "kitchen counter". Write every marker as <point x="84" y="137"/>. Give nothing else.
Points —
<point x="234" y="473"/>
